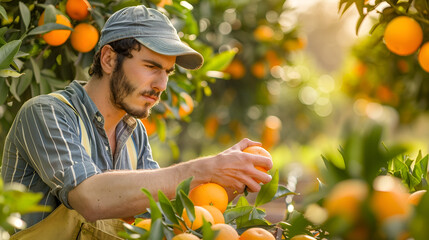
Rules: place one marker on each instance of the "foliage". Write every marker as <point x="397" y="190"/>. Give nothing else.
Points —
<point x="378" y="75"/>
<point x="364" y="157"/>
<point x="242" y="215"/>
<point x="29" y="66"/>
<point x="16" y="200"/>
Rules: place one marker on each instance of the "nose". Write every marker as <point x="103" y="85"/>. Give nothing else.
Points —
<point x="160" y="83"/>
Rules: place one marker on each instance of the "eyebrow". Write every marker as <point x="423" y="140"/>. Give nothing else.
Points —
<point x="158" y="65"/>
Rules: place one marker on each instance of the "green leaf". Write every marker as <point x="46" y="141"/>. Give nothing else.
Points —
<point x="8" y="52"/>
<point x="188" y="205"/>
<point x="50" y="15"/>
<point x="25" y="14"/>
<point x="236" y="212"/>
<point x="36" y="70"/>
<point x="47" y="28"/>
<point x="155" y="212"/>
<point x="3" y="90"/>
<point x="208" y="233"/>
<point x="283" y="191"/>
<point x="184" y="186"/>
<point x="156" y="229"/>
<point x="268" y="191"/>
<point x="167" y="208"/>
<point x="12" y="89"/>
<point x="10" y="73"/>
<point x="219" y="62"/>
<point x="3" y="12"/>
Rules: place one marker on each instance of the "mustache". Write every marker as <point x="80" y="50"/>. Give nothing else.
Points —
<point x="151" y="93"/>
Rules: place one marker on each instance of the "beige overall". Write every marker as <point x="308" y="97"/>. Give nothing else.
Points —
<point x="67" y="224"/>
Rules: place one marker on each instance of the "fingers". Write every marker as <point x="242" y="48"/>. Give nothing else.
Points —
<point x="244" y="143"/>
<point x="260" y="161"/>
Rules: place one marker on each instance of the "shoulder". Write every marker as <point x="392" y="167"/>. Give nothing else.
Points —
<point x="45" y="105"/>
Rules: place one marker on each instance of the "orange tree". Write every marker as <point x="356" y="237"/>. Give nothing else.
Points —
<point x="237" y="107"/>
<point x="389" y="66"/>
<point x="42" y="51"/>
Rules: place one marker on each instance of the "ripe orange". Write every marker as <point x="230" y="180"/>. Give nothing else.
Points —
<point x="423" y="57"/>
<point x="236" y="69"/>
<point x="403" y="35"/>
<point x="272" y="58"/>
<point x="216" y="214"/>
<point x="257" y="150"/>
<point x="295" y="44"/>
<point x="84" y="37"/>
<point x="346" y="198"/>
<point x="256" y="233"/>
<point x="78" y="9"/>
<point x="302" y="237"/>
<point x="263" y="33"/>
<point x="149" y="125"/>
<point x="56" y="37"/>
<point x="389" y="198"/>
<point x="209" y="194"/>
<point x="145" y="224"/>
<point x="185" y="236"/>
<point x="226" y="232"/>
<point x="162" y="3"/>
<point x="200" y="213"/>
<point x="415" y="197"/>
<point x="271" y="131"/>
<point x="210" y="126"/>
<point x="258" y="69"/>
<point x="187" y="107"/>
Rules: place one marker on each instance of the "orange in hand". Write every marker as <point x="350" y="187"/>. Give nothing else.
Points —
<point x="257" y="150"/>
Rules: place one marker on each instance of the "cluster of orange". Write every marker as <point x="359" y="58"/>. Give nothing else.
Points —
<point x="210" y="202"/>
<point x="404" y="36"/>
<point x="84" y="36"/>
<point x="388" y="200"/>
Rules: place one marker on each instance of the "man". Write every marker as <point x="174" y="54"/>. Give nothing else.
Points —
<point x="138" y="49"/>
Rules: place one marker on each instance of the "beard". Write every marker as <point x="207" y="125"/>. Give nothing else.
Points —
<point x="121" y="87"/>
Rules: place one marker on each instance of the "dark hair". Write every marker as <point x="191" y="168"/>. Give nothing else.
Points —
<point x="123" y="49"/>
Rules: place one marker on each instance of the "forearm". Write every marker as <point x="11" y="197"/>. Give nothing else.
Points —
<point x="117" y="194"/>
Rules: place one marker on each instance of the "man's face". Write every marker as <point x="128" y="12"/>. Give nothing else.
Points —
<point x="137" y="85"/>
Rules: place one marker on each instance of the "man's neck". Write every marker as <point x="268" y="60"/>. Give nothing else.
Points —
<point x="99" y="91"/>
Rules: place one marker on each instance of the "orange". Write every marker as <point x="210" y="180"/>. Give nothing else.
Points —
<point x="56" y="37"/>
<point x="226" y="232"/>
<point x="345" y="199"/>
<point x="263" y="33"/>
<point x="185" y="236"/>
<point x="216" y="214"/>
<point x="236" y="69"/>
<point x="210" y="126"/>
<point x="84" y="37"/>
<point x="403" y="35"/>
<point x="187" y="107"/>
<point x="78" y="9"/>
<point x="415" y="197"/>
<point x="211" y="194"/>
<point x="256" y="233"/>
<point x="272" y="58"/>
<point x="200" y="213"/>
<point x="295" y="44"/>
<point x="162" y="3"/>
<point x="145" y="224"/>
<point x="271" y="132"/>
<point x="257" y="150"/>
<point x="149" y="125"/>
<point x="423" y="57"/>
<point x="258" y="69"/>
<point x="302" y="237"/>
<point x="389" y="198"/>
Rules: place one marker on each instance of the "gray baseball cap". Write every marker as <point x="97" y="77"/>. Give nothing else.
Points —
<point x="153" y="30"/>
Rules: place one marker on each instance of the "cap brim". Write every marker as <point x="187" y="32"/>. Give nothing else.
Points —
<point x="186" y="56"/>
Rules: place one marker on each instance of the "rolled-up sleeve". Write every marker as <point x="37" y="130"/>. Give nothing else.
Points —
<point x="50" y="137"/>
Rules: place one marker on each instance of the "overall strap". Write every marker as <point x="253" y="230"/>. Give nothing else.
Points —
<point x="84" y="139"/>
<point x="132" y="152"/>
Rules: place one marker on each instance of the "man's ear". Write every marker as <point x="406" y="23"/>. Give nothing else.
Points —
<point x="108" y="59"/>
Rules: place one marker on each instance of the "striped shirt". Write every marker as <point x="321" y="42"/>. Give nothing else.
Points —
<point x="43" y="149"/>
